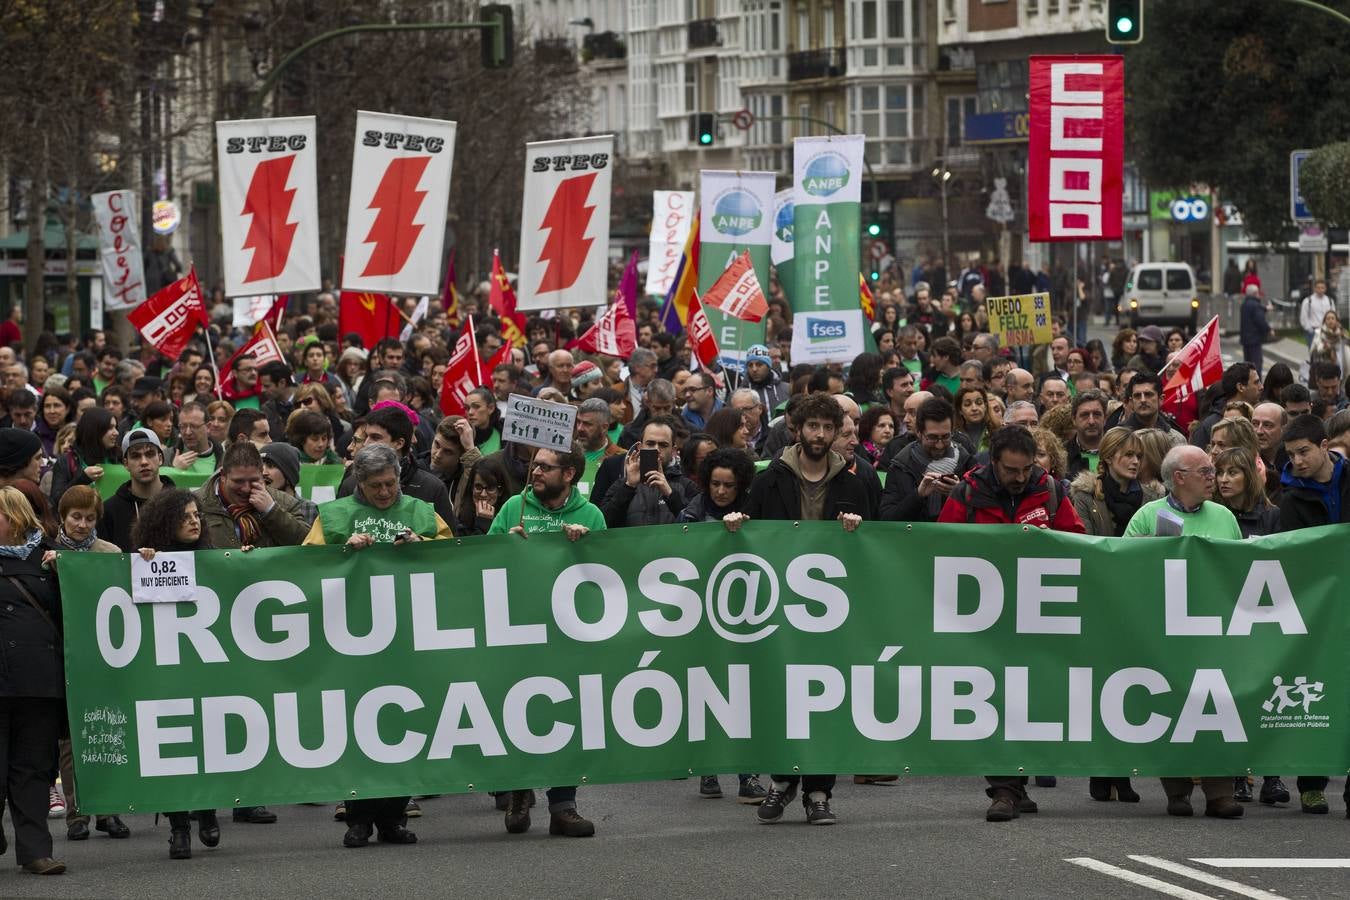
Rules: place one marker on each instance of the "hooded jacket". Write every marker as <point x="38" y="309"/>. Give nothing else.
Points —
<point x="776" y="492"/>
<point x="120" y="512"/>
<point x="1305" y="503"/>
<point x="900" y="501"/>
<point x="771" y="392"/>
<point x="539" y="519"/>
<point x="981" y="500"/>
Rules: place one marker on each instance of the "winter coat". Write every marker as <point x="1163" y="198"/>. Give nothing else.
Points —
<point x="1253" y="327"/>
<point x="120" y="512"/>
<point x="31" y="648"/>
<point x="644" y="505"/>
<point x="979" y="499"/>
<point x="1085" y="493"/>
<point x="774" y="493"/>
<point x="1304" y="502"/>
<point x="1258" y="522"/>
<point x="283" y="526"/>
<point x="900" y="501"/>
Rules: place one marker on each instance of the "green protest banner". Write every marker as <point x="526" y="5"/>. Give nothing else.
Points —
<point x="312" y="674"/>
<point x="736" y="215"/>
<point x="320" y="483"/>
<point x="115" y="475"/>
<point x="781" y="249"/>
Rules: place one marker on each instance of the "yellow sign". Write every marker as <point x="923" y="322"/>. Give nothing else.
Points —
<point x="1020" y="321"/>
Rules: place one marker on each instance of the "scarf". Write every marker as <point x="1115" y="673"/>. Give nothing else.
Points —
<point x="24" y="550"/>
<point x="70" y="543"/>
<point x="245" y="519"/>
<point x="1122" y="504"/>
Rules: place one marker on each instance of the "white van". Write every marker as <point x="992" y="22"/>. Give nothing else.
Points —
<point x="1161" y="293"/>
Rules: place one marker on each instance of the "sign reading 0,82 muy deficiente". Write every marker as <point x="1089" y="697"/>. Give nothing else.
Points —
<point x="307" y="673"/>
<point x="1020" y="321"/>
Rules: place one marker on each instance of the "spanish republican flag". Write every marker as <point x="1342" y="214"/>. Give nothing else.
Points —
<point x="686" y="278"/>
<point x="502" y="299"/>
<point x="866" y="300"/>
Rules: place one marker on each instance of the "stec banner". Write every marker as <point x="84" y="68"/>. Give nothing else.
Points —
<point x="269" y="206"/>
<point x="396" y="213"/>
<point x="1076" y="151"/>
<point x="317" y="673"/>
<point x="564" y="224"/>
<point x="827" y="322"/>
<point x="735" y="216"/>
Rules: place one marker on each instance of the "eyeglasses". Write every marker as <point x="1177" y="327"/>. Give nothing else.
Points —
<point x="546" y="467"/>
<point x="485" y="490"/>
<point x="307" y="401"/>
<point x="1203" y="471"/>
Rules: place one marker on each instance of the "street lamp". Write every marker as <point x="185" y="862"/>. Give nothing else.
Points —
<point x="944" y="175"/>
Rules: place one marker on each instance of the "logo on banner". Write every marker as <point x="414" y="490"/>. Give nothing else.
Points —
<point x="825" y="175"/>
<point x="736" y="212"/>
<point x="397" y="202"/>
<point x="818" y="330"/>
<point x="567" y="247"/>
<point x="1287" y="699"/>
<point x="782" y="223"/>
<point x="269" y="234"/>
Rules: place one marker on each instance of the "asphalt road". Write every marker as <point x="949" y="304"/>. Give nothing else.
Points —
<point x="924" y="837"/>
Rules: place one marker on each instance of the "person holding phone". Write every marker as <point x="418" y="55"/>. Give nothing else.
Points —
<point x="653" y="489"/>
<point x="925" y="472"/>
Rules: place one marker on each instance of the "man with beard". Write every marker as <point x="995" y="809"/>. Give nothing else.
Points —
<point x="552" y="503"/>
<point x="1089" y="420"/>
<point x="809" y="482"/>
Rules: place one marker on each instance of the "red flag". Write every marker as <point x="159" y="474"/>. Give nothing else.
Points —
<point x="503" y="355"/>
<point x="278" y="310"/>
<point x="613" y="334"/>
<point x="371" y="316"/>
<point x="450" y="294"/>
<point x="866" y="300"/>
<point x="737" y="293"/>
<point x="502" y="298"/>
<point x="263" y="348"/>
<point x="168" y="320"/>
<point x="705" y="345"/>
<point x="463" y="374"/>
<point x="1199" y="364"/>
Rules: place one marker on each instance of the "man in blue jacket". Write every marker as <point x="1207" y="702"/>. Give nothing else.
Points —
<point x="1254" y="328"/>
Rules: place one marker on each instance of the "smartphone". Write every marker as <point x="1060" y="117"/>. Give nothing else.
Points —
<point x="648" y="460"/>
<point x="402" y="536"/>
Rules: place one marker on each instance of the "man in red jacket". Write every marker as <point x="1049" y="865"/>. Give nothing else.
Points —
<point x="1011" y="490"/>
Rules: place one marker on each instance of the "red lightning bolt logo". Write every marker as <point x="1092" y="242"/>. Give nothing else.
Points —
<point x="394" y="233"/>
<point x="268" y="201"/>
<point x="566" y="248"/>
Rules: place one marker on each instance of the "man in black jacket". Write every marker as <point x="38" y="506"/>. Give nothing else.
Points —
<point x="656" y="497"/>
<point x="809" y="482"/>
<point x="926" y="470"/>
<point x="1089" y="418"/>
<point x="391" y="426"/>
<point x="143" y="455"/>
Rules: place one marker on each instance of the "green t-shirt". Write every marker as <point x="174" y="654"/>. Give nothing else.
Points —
<point x="1212" y="520"/>
<point x="1092" y="458"/>
<point x="247" y="403"/>
<point x="950" y="382"/>
<point x="914" y="365"/>
<point x="346" y="516"/>
<point x="492" y="444"/>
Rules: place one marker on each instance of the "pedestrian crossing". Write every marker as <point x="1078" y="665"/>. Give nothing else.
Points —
<point x="1201" y="883"/>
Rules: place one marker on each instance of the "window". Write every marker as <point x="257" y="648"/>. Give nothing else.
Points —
<point x="957" y="110"/>
<point x="1178" y="280"/>
<point x="895" y="18"/>
<point x="1149" y="280"/>
<point x="827" y="26"/>
<point x="869" y="20"/>
<point x="803" y="28"/>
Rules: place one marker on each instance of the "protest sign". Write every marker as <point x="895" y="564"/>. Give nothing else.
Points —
<point x="538" y="423"/>
<point x="1020" y="321"/>
<point x="308" y="673"/>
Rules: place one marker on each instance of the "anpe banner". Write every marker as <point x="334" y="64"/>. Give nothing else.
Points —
<point x="269" y="206"/>
<point x="396" y="211"/>
<point x="119" y="248"/>
<point x="735" y="216"/>
<point x="564" y="224"/>
<point x="780" y="251"/>
<point x="672" y="214"/>
<point x="827" y="323"/>
<point x="1076" y="149"/>
<point x="313" y="673"/>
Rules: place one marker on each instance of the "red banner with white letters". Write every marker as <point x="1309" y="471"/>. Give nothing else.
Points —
<point x="1076" y="151"/>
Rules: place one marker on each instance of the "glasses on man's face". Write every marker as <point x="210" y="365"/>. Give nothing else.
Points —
<point x="546" y="467"/>
<point x="1203" y="471"/>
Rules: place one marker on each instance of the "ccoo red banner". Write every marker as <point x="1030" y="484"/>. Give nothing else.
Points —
<point x="1076" y="155"/>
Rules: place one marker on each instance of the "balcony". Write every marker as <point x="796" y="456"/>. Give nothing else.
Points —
<point x="607" y="45"/>
<point x="703" y="33"/>
<point x="807" y="64"/>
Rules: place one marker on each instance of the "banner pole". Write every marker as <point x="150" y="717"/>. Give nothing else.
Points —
<point x="211" y="355"/>
<point x="529" y="469"/>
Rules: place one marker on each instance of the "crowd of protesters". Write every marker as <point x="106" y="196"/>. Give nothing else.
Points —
<point x="938" y="423"/>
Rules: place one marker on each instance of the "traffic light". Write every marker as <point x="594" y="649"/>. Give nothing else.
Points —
<point x="497" y="44"/>
<point x="1124" y="21"/>
<point x="703" y="129"/>
<point x="877" y="231"/>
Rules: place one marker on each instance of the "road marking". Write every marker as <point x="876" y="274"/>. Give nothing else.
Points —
<point x="1148" y="881"/>
<point x="1223" y="884"/>
<point x="1271" y="862"/>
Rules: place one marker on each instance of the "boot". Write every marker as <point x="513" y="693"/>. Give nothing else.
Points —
<point x="1004" y="807"/>
<point x="570" y="823"/>
<point x="518" y="812"/>
<point x="1100" y="789"/>
<point x="180" y="843"/>
<point x="208" y="828"/>
<point x="1125" y="793"/>
<point x="1223" y="808"/>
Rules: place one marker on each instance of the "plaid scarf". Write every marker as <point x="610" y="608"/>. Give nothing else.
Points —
<point x="245" y="520"/>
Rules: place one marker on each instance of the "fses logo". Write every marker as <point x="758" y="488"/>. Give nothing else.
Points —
<point x="818" y="330"/>
<point x="826" y="174"/>
<point x="782" y="223"/>
<point x="736" y="212"/>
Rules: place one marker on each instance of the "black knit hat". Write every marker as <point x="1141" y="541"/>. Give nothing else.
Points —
<point x="17" y="446"/>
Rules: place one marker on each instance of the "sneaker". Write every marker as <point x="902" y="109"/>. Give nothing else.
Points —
<point x="709" y="788"/>
<point x="570" y="823"/>
<point x="775" y="801"/>
<point x="1046" y="781"/>
<point x="751" y="792"/>
<point x="1273" y="790"/>
<point x="1223" y="808"/>
<point x="340" y="814"/>
<point x="1004" y="807"/>
<point x="818" y="810"/>
<point x="56" y="804"/>
<point x="1242" y="789"/>
<point x="1314" y="802"/>
<point x="1179" y="806"/>
<point x="413" y="811"/>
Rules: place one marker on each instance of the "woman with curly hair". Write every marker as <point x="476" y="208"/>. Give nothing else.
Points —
<point x="172" y="522"/>
<point x="974" y="417"/>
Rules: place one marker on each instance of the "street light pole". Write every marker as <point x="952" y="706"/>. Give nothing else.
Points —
<point x="943" y="176"/>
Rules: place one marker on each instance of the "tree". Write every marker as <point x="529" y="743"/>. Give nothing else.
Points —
<point x="1221" y="92"/>
<point x="1325" y="182"/>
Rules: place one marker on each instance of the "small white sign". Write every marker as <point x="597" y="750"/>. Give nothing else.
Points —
<point x="168" y="578"/>
<point x="1312" y="239"/>
<point x="538" y="423"/>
